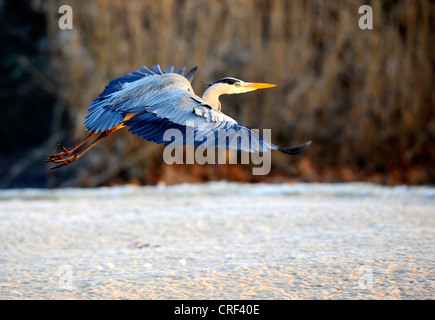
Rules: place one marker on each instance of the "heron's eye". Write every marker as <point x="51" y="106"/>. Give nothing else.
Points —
<point x="237" y="84"/>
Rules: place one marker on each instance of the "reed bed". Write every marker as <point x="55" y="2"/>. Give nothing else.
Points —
<point x="364" y="97"/>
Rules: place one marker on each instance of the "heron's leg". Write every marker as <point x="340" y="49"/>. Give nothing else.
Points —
<point x="72" y="158"/>
<point x="68" y="152"/>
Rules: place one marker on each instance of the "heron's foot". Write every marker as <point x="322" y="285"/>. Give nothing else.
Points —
<point x="64" y="162"/>
<point x="59" y="156"/>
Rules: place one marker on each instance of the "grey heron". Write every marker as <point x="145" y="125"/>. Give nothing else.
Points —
<point x="151" y="101"/>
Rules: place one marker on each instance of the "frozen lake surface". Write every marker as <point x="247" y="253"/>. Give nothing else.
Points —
<point x="219" y="241"/>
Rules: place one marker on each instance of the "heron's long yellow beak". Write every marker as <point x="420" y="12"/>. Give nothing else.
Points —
<point x="258" y="85"/>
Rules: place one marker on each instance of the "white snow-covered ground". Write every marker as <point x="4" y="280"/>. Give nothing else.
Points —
<point x="219" y="241"/>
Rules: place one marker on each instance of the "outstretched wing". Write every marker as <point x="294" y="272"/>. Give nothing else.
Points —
<point x="117" y="83"/>
<point x="109" y="108"/>
<point x="197" y="123"/>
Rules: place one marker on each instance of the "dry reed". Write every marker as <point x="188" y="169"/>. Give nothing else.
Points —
<point x="365" y="97"/>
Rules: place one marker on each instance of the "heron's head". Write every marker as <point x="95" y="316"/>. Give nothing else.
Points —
<point x="230" y="85"/>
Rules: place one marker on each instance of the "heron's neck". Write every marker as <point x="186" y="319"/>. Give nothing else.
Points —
<point x="211" y="95"/>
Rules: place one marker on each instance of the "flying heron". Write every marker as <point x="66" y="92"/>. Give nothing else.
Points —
<point x="150" y="101"/>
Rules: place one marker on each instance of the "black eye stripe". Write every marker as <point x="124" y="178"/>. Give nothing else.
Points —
<point x="228" y="80"/>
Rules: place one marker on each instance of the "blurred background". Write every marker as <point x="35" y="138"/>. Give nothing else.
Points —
<point x="365" y="98"/>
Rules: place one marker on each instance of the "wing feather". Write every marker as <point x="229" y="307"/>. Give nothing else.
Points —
<point x="211" y="127"/>
<point x="119" y="98"/>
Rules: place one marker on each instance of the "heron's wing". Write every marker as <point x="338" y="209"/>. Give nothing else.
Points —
<point x="117" y="83"/>
<point x="197" y="124"/>
<point x="126" y="94"/>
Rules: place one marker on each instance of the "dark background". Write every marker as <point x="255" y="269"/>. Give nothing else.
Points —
<point x="364" y="97"/>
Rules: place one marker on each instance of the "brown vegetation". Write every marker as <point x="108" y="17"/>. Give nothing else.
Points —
<point x="365" y="98"/>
